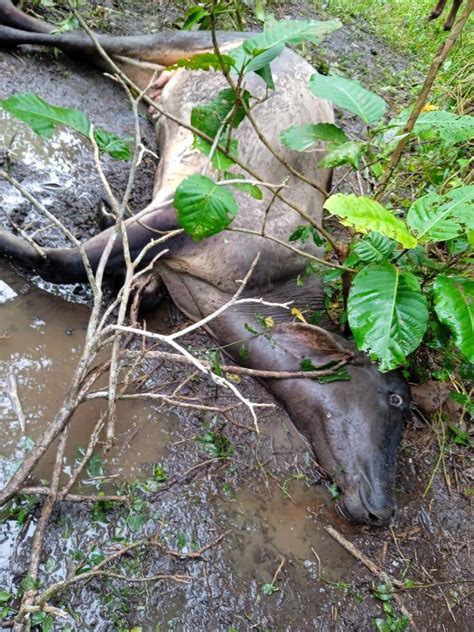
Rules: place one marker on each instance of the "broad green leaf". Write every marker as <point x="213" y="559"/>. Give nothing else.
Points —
<point x="348" y="153"/>
<point x="209" y="117"/>
<point x="302" y="137"/>
<point x="294" y="32"/>
<point x="367" y="215"/>
<point x="453" y="128"/>
<point x="194" y="16"/>
<point x="259" y="10"/>
<point x="436" y="217"/>
<point x="279" y="33"/>
<point x="44" y="118"/>
<point x="219" y="160"/>
<point x="203" y="61"/>
<point x="258" y="60"/>
<point x="203" y="207"/>
<point x="349" y="95"/>
<point x="264" y="58"/>
<point x="449" y="127"/>
<point x="266" y="74"/>
<point x="454" y="305"/>
<point x="387" y="313"/>
<point x="374" y="248"/>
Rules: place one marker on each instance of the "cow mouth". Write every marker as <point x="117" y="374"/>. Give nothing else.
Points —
<point x="356" y="508"/>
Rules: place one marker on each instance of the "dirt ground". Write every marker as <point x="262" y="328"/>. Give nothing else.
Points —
<point x="264" y="493"/>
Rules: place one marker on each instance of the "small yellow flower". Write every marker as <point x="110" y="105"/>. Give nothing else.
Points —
<point x="429" y="107"/>
<point x="269" y="322"/>
<point x="297" y="314"/>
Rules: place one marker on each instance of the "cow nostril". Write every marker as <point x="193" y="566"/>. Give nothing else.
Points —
<point x="373" y="518"/>
<point x="379" y="510"/>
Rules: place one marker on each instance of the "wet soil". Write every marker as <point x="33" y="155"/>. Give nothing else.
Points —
<point x="264" y="492"/>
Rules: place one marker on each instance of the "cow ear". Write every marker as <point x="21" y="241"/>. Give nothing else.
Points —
<point x="308" y="341"/>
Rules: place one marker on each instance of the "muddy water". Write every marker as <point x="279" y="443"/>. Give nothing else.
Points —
<point x="42" y="341"/>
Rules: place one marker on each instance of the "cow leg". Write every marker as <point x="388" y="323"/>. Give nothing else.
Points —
<point x="65" y="265"/>
<point x="13" y="17"/>
<point x="452" y="14"/>
<point x="139" y="55"/>
<point x="437" y="10"/>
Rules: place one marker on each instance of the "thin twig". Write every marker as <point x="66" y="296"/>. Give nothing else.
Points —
<point x="381" y="575"/>
<point x="436" y="64"/>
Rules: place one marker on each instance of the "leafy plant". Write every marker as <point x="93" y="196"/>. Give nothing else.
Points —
<point x="391" y="622"/>
<point x="454" y="305"/>
<point x="365" y="214"/>
<point x="44" y="118"/>
<point x="216" y="444"/>
<point x="349" y="95"/>
<point x="269" y="589"/>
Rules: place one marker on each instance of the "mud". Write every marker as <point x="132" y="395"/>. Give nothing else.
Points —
<point x="264" y="493"/>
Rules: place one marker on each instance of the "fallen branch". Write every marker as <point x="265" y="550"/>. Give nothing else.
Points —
<point x="65" y="584"/>
<point x="75" y="498"/>
<point x="379" y="573"/>
<point x="241" y="370"/>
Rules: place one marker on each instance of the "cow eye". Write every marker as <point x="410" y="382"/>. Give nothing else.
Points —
<point x="395" y="400"/>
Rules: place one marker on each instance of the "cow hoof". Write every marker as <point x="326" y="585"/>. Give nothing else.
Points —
<point x="157" y="87"/>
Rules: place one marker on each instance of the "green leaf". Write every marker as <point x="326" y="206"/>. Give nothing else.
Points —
<point x="374" y="248"/>
<point x="259" y="12"/>
<point x="135" y="522"/>
<point x="194" y="16"/>
<point x="269" y="589"/>
<point x="302" y="137"/>
<point x="454" y="305"/>
<point x="293" y="32"/>
<point x="5" y="596"/>
<point x="304" y="232"/>
<point x="204" y="208"/>
<point x="348" y="153"/>
<point x="219" y="160"/>
<point x="204" y="61"/>
<point x="446" y="126"/>
<point x="279" y="33"/>
<point x="252" y="189"/>
<point x="261" y="59"/>
<point x="44" y="118"/>
<point x="266" y="74"/>
<point x="450" y="127"/>
<point x="387" y="313"/>
<point x="367" y="215"/>
<point x="159" y="473"/>
<point x="349" y="95"/>
<point x="110" y="143"/>
<point x="460" y="437"/>
<point x="339" y="375"/>
<point x="210" y="117"/>
<point x="442" y="217"/>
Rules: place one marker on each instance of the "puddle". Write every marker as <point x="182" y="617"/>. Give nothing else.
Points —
<point x="43" y="340"/>
<point x="288" y="527"/>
